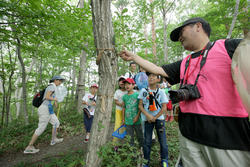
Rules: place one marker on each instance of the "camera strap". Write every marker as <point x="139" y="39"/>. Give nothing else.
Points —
<point x="202" y="63"/>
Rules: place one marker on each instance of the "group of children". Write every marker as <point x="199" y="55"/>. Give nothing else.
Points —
<point x="141" y="109"/>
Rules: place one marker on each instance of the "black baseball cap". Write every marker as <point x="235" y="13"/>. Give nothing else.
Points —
<point x="175" y="34"/>
<point x="148" y="73"/>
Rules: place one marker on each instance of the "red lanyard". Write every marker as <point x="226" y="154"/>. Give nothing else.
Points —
<point x="190" y="58"/>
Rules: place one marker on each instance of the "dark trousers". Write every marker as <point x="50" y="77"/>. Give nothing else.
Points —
<point x="135" y="129"/>
<point x="87" y="121"/>
<point x="159" y="125"/>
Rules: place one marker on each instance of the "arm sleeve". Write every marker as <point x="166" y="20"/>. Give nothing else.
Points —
<point x="164" y="98"/>
<point x="231" y="45"/>
<point x="51" y="88"/>
<point x="173" y="71"/>
<point x="115" y="95"/>
<point x="85" y="98"/>
<point x="126" y="75"/>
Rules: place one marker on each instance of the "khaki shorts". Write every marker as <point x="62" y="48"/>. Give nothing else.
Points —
<point x="45" y="118"/>
<point x="198" y="155"/>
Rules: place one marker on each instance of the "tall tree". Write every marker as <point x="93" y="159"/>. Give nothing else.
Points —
<point x="165" y="7"/>
<point x="107" y="60"/>
<point x="24" y="85"/>
<point x="153" y="30"/>
<point x="234" y="19"/>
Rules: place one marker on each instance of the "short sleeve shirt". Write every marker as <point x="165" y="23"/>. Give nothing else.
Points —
<point x="89" y="98"/>
<point x="130" y="75"/>
<point x="131" y="103"/>
<point x="161" y="98"/>
<point x="118" y="96"/>
<point x="52" y="88"/>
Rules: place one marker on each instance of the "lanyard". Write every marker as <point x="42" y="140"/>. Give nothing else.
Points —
<point x="202" y="62"/>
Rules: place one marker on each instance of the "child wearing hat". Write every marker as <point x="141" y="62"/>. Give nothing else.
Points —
<point x="89" y="104"/>
<point x="119" y="104"/>
<point x="131" y="113"/>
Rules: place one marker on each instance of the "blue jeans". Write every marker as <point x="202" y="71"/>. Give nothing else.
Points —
<point x="161" y="133"/>
<point x="87" y="121"/>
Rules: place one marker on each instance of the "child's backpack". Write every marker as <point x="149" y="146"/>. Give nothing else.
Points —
<point x="38" y="98"/>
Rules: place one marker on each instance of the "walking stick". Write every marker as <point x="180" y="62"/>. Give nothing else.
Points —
<point x="58" y="110"/>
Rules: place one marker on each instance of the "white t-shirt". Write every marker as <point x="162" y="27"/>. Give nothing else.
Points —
<point x="89" y="99"/>
<point x="118" y="96"/>
<point x="130" y="75"/>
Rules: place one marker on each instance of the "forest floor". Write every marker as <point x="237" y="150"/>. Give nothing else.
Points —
<point x="68" y="145"/>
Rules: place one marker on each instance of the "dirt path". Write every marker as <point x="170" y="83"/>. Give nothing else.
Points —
<point x="68" y="145"/>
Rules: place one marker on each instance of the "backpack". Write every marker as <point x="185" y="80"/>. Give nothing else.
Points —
<point x="38" y="98"/>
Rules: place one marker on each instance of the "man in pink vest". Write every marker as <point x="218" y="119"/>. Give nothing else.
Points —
<point x="214" y="125"/>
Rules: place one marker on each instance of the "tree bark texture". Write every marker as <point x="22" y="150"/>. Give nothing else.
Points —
<point x="81" y="80"/>
<point x="104" y="42"/>
<point x="82" y="71"/>
<point x="234" y="19"/>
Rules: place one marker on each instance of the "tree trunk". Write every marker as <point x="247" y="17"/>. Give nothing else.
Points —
<point x="234" y="19"/>
<point x="146" y="38"/>
<point x="81" y="80"/>
<point x="8" y="98"/>
<point x="246" y="29"/>
<point x="153" y="32"/>
<point x="73" y="78"/>
<point x="104" y="42"/>
<point x="165" y="38"/>
<point x="24" y="92"/>
<point x="3" y="84"/>
<point x="19" y="90"/>
<point x="81" y="76"/>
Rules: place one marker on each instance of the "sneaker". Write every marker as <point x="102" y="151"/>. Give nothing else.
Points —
<point x="164" y="163"/>
<point x="30" y="150"/>
<point x="86" y="140"/>
<point x="56" y="140"/>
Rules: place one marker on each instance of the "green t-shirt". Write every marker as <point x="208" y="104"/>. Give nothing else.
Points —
<point x="131" y="103"/>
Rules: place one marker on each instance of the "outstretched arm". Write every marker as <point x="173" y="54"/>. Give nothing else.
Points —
<point x="148" y="66"/>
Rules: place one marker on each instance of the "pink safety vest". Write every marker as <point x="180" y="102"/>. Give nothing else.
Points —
<point x="219" y="96"/>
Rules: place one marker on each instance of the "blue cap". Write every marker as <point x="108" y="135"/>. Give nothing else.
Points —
<point x="57" y="77"/>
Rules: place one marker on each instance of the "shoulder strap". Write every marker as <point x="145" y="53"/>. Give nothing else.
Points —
<point x="156" y="101"/>
<point x="154" y="96"/>
<point x="129" y="74"/>
<point x="202" y="63"/>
